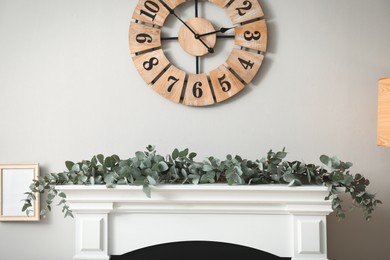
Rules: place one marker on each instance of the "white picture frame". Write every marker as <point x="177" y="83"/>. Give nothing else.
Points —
<point x="15" y="180"/>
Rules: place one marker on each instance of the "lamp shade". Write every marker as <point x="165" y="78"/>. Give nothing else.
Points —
<point x="384" y="112"/>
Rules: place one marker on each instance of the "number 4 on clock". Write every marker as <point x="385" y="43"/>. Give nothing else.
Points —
<point x="245" y="63"/>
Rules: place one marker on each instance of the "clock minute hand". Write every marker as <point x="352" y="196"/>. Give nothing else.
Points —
<point x="171" y="11"/>
<point x="222" y="30"/>
<point x="197" y="36"/>
<point x="186" y="25"/>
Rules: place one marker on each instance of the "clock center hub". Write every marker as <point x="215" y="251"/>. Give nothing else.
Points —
<point x="191" y="40"/>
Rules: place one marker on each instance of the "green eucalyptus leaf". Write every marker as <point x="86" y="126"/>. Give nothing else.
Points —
<point x="326" y="160"/>
<point x="99" y="179"/>
<point x="41" y="188"/>
<point x="94" y="161"/>
<point x="146" y="189"/>
<point x="100" y="158"/>
<point x="192" y="156"/>
<point x="151" y="180"/>
<point x="184" y="173"/>
<point x="140" y="155"/>
<point x="281" y="155"/>
<point x="62" y="195"/>
<point x="288" y="177"/>
<point x="43" y="212"/>
<point x="69" y="165"/>
<point x="158" y="158"/>
<point x="295" y="182"/>
<point x="183" y="153"/>
<point x="109" y="161"/>
<point x="83" y="179"/>
<point x="122" y="181"/>
<point x="211" y="176"/>
<point x="207" y="168"/>
<point x="76" y="167"/>
<point x="51" y="196"/>
<point x="69" y="214"/>
<point x="25" y="207"/>
<point x="116" y="158"/>
<point x="162" y="166"/>
<point x="347" y="180"/>
<point x="175" y="154"/>
<point x="109" y="179"/>
<point x="195" y="180"/>
<point x="335" y="162"/>
<point x="275" y="161"/>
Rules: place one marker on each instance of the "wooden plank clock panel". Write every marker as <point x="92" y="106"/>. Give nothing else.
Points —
<point x="170" y="84"/>
<point x="142" y="37"/>
<point x="221" y="3"/>
<point x="225" y="84"/>
<point x="198" y="36"/>
<point x="245" y="63"/>
<point x="173" y="3"/>
<point x="198" y="91"/>
<point x="150" y="11"/>
<point x="241" y="11"/>
<point x="150" y="64"/>
<point x="252" y="35"/>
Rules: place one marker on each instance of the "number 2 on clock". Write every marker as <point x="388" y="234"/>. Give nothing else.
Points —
<point x="247" y="6"/>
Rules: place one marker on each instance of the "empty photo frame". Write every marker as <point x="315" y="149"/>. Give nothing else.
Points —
<point x="15" y="180"/>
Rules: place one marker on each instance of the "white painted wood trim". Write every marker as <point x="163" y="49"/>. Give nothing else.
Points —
<point x="302" y="209"/>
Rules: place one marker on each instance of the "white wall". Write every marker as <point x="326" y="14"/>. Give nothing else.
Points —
<point x="68" y="90"/>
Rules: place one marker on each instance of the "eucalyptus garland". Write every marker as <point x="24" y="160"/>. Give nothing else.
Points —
<point x="149" y="168"/>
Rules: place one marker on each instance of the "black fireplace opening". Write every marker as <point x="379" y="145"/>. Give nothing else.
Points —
<point x="204" y="250"/>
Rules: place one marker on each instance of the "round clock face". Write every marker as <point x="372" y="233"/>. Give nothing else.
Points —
<point x="199" y="37"/>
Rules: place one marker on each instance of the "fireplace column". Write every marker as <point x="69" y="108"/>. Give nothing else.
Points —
<point x="309" y="233"/>
<point x="91" y="230"/>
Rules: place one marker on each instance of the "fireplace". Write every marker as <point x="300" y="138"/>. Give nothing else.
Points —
<point x="288" y="222"/>
<point x="205" y="250"/>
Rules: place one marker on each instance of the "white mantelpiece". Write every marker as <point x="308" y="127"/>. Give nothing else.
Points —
<point x="288" y="222"/>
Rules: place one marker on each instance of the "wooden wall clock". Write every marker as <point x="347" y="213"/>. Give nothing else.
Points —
<point x="198" y="37"/>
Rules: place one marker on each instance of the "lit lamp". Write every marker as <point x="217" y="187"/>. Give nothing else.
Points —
<point x="384" y="112"/>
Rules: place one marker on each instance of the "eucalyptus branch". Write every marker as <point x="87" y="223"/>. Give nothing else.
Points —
<point x="149" y="168"/>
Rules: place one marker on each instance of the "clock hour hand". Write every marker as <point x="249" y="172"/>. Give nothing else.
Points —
<point x="222" y="30"/>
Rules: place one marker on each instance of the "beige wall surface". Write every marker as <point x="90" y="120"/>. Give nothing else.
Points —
<point x="68" y="90"/>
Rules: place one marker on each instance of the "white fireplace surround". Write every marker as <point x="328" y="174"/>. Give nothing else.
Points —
<point x="285" y="221"/>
